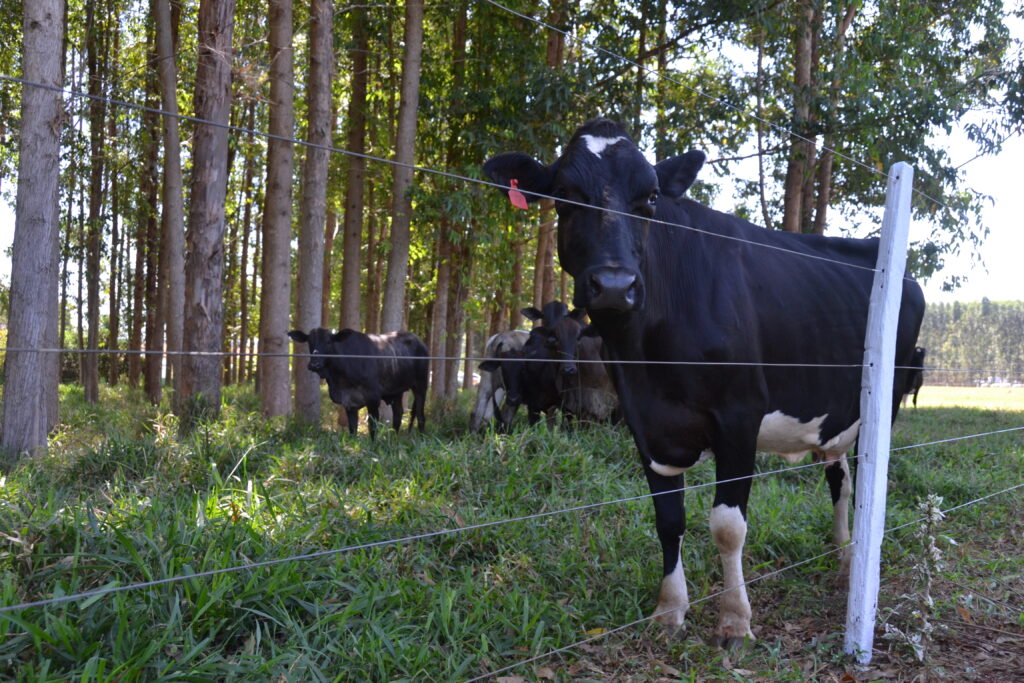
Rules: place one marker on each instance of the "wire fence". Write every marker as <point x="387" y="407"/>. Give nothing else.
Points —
<point x="110" y="589"/>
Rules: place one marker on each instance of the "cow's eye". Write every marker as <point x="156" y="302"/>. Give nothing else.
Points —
<point x="652" y="199"/>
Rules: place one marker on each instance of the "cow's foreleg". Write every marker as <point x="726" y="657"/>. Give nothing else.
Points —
<point x="837" y="474"/>
<point x="670" y="519"/>
<point x="373" y="413"/>
<point x="352" y="414"/>
<point x="729" y="530"/>
<point x="396" y="413"/>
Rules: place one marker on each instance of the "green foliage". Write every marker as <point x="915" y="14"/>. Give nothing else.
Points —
<point x="123" y="498"/>
<point x="974" y="343"/>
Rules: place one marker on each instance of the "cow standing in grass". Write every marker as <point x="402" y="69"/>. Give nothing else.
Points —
<point x="364" y="369"/>
<point x="491" y="392"/>
<point x="724" y="329"/>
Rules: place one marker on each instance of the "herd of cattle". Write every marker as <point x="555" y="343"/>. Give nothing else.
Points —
<point x="719" y="339"/>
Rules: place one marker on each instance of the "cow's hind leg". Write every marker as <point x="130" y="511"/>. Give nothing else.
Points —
<point x="837" y="473"/>
<point x="670" y="519"/>
<point x="373" y="416"/>
<point x="419" y="400"/>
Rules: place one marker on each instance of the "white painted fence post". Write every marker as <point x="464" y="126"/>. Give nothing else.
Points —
<point x="876" y="414"/>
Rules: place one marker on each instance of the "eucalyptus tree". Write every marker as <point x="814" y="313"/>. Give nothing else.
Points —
<point x="204" y="266"/>
<point x="392" y="313"/>
<point x="30" y="389"/>
<point x="275" y="294"/>
<point x="309" y="283"/>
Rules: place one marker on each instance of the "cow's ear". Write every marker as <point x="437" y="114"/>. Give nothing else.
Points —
<point x="676" y="174"/>
<point x="529" y="174"/>
<point x="578" y="314"/>
<point x="489" y="365"/>
<point x="532" y="313"/>
<point x="299" y="336"/>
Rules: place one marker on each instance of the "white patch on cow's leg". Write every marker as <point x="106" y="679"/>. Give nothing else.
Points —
<point x="673" y="599"/>
<point x="597" y="145"/>
<point x="841" y="522"/>
<point x="729" y="530"/>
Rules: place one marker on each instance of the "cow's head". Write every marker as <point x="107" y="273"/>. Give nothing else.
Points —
<point x="605" y="193"/>
<point x="320" y="343"/>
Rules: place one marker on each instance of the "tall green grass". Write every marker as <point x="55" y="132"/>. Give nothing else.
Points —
<point x="123" y="498"/>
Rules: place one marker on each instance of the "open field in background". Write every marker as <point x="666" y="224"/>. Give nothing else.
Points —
<point x="985" y="398"/>
<point x="122" y="498"/>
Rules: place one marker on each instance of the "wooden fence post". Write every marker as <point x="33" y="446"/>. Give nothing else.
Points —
<point x="876" y="414"/>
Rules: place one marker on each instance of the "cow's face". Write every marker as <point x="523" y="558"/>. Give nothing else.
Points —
<point x="320" y="343"/>
<point x="605" y="192"/>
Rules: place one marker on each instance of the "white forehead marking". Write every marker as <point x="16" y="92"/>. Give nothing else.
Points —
<point x="597" y="145"/>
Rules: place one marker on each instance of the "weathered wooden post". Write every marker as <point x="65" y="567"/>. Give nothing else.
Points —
<point x="876" y="414"/>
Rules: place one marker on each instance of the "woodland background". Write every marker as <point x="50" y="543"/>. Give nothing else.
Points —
<point x="299" y="235"/>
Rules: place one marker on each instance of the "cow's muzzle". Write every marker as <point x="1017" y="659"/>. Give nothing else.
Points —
<point x="611" y="288"/>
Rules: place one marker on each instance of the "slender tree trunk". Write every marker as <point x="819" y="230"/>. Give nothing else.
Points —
<point x="330" y="228"/>
<point x="94" y="234"/>
<point x="373" y="265"/>
<point x="825" y="160"/>
<point x="139" y="272"/>
<point x="398" y="260"/>
<point x="515" y="317"/>
<point x="313" y="203"/>
<point x="801" y="147"/>
<point x="243" y="277"/>
<point x="351" y="268"/>
<point x="116" y="257"/>
<point x="154" y="300"/>
<point x="439" y="330"/>
<point x="204" y="304"/>
<point x="765" y="215"/>
<point x="173" y="253"/>
<point x="275" y="295"/>
<point x="30" y="388"/>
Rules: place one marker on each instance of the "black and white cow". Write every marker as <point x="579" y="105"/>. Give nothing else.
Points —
<point x="744" y="300"/>
<point x="385" y="367"/>
<point x="916" y="379"/>
<point x="491" y="393"/>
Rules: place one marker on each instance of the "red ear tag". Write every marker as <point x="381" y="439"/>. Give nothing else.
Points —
<point x="515" y="196"/>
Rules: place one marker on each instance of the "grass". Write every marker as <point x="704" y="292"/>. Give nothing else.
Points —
<point x="122" y="498"/>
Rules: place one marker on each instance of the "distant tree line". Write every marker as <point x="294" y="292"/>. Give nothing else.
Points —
<point x="974" y="343"/>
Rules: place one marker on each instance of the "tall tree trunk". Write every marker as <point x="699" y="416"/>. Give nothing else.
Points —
<point x="801" y="148"/>
<point x="374" y="269"/>
<point x="398" y="260"/>
<point x="204" y="268"/>
<point x="351" y="268"/>
<point x="325" y="281"/>
<point x="154" y="300"/>
<point x="30" y="388"/>
<point x="116" y="257"/>
<point x="313" y="204"/>
<point x="94" y="235"/>
<point x="173" y="253"/>
<point x="275" y="294"/>
<point x="243" y="277"/>
<point x="516" y="305"/>
<point x="825" y="161"/>
<point x="439" y="329"/>
<point x="139" y="272"/>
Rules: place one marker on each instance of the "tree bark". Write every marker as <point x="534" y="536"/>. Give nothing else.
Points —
<point x="313" y="204"/>
<point x="204" y="267"/>
<point x="353" y="229"/>
<point x="30" y="389"/>
<point x="393" y="310"/>
<point x="154" y="279"/>
<point x="275" y="297"/>
<point x="94" y="230"/>
<point x="173" y="218"/>
<point x="801" y="149"/>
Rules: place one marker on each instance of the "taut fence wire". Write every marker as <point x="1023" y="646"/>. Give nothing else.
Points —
<point x="98" y="592"/>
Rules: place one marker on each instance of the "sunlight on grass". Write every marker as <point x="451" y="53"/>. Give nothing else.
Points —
<point x="991" y="398"/>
